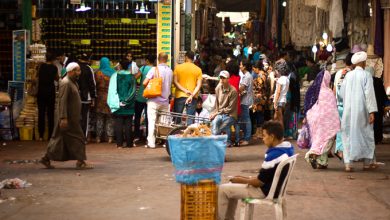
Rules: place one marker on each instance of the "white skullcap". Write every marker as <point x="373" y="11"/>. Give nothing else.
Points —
<point x="225" y="74"/>
<point x="359" y="57"/>
<point x="71" y="66"/>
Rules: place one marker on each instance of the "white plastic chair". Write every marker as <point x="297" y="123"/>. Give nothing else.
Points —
<point x="278" y="203"/>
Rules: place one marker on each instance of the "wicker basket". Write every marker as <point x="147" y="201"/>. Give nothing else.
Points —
<point x="199" y="202"/>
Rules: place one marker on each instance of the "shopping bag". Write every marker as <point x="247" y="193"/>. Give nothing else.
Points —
<point x="209" y="103"/>
<point x="197" y="158"/>
<point x="154" y="87"/>
<point x="303" y="140"/>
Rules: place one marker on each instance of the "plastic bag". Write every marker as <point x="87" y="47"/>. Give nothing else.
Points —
<point x="197" y="158"/>
<point x="209" y="103"/>
<point x="303" y="140"/>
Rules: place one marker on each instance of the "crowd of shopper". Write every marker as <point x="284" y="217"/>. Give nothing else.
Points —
<point x="250" y="85"/>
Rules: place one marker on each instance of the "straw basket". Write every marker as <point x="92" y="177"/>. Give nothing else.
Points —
<point x="199" y="201"/>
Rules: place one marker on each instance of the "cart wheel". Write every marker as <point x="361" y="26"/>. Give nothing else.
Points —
<point x="175" y="131"/>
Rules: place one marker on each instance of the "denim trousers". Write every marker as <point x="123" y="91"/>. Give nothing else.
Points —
<point x="190" y="108"/>
<point x="244" y="123"/>
<point x="222" y="123"/>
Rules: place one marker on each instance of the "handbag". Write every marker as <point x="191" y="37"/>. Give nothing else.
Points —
<point x="154" y="87"/>
<point x="304" y="140"/>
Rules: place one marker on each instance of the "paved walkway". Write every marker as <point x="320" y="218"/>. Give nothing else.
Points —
<point x="137" y="184"/>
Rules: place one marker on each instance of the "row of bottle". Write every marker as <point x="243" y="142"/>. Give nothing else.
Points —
<point x="98" y="35"/>
<point x="101" y="9"/>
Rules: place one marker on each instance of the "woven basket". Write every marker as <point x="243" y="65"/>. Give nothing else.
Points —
<point x="199" y="202"/>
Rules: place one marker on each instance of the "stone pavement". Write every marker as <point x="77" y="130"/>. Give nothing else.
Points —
<point x="137" y="184"/>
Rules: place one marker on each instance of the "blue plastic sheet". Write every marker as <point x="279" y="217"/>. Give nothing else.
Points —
<point x="197" y="158"/>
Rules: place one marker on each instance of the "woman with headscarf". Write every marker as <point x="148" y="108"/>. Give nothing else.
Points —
<point x="323" y="119"/>
<point x="104" y="119"/>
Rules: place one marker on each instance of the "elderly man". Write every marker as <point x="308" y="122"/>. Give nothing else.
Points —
<point x="358" y="95"/>
<point x="225" y="113"/>
<point x="68" y="140"/>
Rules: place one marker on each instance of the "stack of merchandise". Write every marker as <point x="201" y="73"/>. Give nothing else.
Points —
<point x="29" y="115"/>
<point x="38" y="52"/>
<point x="36" y="30"/>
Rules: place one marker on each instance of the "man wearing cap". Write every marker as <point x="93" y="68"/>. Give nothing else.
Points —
<point x="68" y="140"/>
<point x="225" y="113"/>
<point x="357" y="93"/>
<point x="87" y="89"/>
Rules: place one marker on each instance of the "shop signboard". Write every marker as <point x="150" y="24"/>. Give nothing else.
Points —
<point x="164" y="29"/>
<point x="19" y="47"/>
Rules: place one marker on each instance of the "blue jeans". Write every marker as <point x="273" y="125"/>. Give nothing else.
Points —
<point x="222" y="123"/>
<point x="190" y="110"/>
<point x="245" y="123"/>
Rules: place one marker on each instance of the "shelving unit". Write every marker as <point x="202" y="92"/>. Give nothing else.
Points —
<point x="110" y="32"/>
<point x="9" y="21"/>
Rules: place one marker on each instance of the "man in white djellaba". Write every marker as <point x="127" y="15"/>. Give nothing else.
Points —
<point x="357" y="92"/>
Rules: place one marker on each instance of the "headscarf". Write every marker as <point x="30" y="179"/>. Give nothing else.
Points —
<point x="323" y="118"/>
<point x="313" y="92"/>
<point x="281" y="67"/>
<point x="105" y="67"/>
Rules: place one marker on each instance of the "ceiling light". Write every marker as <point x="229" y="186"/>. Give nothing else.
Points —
<point x="142" y="10"/>
<point x="83" y="8"/>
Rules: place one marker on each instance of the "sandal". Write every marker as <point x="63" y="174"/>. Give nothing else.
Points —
<point x="313" y="162"/>
<point x="322" y="167"/>
<point x="83" y="166"/>
<point x="349" y="169"/>
<point x="371" y="167"/>
<point x="338" y="156"/>
<point x="46" y="163"/>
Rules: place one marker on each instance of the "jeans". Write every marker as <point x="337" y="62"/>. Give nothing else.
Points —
<point x="190" y="110"/>
<point x="139" y="107"/>
<point x="222" y="123"/>
<point x="257" y="119"/>
<point x="126" y="122"/>
<point x="245" y="123"/>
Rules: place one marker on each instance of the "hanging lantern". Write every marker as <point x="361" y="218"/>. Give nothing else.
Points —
<point x="314" y="49"/>
<point x="329" y="48"/>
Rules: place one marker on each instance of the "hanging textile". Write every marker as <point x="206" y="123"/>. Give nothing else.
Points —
<point x="263" y="10"/>
<point x="378" y="42"/>
<point x="386" y="59"/>
<point x="274" y="26"/>
<point x="322" y="4"/>
<point x="336" y="19"/>
<point x="301" y="23"/>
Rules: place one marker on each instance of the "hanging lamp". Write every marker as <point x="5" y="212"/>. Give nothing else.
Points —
<point x="83" y="8"/>
<point x="142" y="9"/>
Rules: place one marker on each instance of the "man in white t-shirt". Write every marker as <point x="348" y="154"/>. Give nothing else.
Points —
<point x="282" y="86"/>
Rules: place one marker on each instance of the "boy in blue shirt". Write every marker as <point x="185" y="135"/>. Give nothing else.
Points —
<point x="256" y="187"/>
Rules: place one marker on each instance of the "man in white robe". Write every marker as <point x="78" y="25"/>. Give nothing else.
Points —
<point x="357" y="92"/>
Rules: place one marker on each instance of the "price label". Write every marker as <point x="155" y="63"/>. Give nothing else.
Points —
<point x="126" y="21"/>
<point x="133" y="42"/>
<point x="85" y="42"/>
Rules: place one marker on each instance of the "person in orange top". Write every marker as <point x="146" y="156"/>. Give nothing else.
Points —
<point x="187" y="78"/>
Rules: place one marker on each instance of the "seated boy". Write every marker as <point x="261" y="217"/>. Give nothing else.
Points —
<point x="256" y="187"/>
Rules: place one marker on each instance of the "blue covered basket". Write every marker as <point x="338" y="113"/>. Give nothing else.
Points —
<point x="197" y="158"/>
